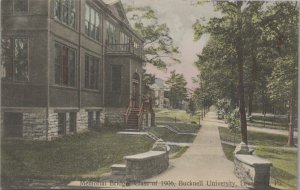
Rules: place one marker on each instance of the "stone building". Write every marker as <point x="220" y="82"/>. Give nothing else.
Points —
<point x="67" y="66"/>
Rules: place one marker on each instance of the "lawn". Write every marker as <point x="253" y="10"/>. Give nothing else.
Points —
<point x="284" y="170"/>
<point x="167" y="115"/>
<point x="170" y="136"/>
<point x="182" y="127"/>
<point x="82" y="155"/>
<point x="255" y="138"/>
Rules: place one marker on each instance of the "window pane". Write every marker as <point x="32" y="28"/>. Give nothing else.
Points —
<point x="92" y="76"/>
<point x="96" y="75"/>
<point x="21" y="59"/>
<point x="61" y="123"/>
<point x="58" y="9"/>
<point x="65" y="11"/>
<point x="57" y="63"/>
<point x="73" y="117"/>
<point x="6" y="58"/>
<point x="72" y="68"/>
<point x="20" y="6"/>
<point x="65" y="68"/>
<point x="87" y="18"/>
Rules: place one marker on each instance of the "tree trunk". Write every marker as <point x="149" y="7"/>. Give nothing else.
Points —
<point x="243" y="121"/>
<point x="240" y="63"/>
<point x="292" y="121"/>
<point x="252" y="85"/>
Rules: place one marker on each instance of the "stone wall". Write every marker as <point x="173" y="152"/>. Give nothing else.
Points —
<point x="115" y="115"/>
<point x="82" y="120"/>
<point x="252" y="170"/>
<point x="34" y="125"/>
<point x="52" y="125"/>
<point x="145" y="165"/>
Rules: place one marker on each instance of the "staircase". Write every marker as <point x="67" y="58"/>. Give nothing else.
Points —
<point x="132" y="121"/>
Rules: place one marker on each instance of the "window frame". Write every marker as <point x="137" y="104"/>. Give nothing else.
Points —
<point x="69" y="11"/>
<point x="88" y="24"/>
<point x="12" y="59"/>
<point x="64" y="63"/>
<point x="95" y="63"/>
<point x="20" y="12"/>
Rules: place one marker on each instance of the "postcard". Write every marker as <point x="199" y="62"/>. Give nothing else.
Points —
<point x="149" y="94"/>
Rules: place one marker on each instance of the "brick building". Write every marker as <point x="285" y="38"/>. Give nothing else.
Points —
<point x="67" y="66"/>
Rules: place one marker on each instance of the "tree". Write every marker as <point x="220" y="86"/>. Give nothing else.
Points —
<point x="159" y="49"/>
<point x="231" y="29"/>
<point x="283" y="34"/>
<point x="178" y="91"/>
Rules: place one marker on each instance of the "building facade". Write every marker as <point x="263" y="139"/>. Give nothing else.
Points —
<point x="67" y="66"/>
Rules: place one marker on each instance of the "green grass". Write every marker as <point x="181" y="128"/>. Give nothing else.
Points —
<point x="170" y="136"/>
<point x="269" y="124"/>
<point x="179" y="152"/>
<point x="228" y="151"/>
<point x="255" y="138"/>
<point x="284" y="169"/>
<point x="72" y="156"/>
<point x="284" y="162"/>
<point x="166" y="115"/>
<point x="182" y="127"/>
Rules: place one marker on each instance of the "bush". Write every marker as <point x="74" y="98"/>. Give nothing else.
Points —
<point x="233" y="120"/>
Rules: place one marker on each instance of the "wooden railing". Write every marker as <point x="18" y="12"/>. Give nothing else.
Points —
<point x="125" y="48"/>
<point x="126" y="115"/>
<point x="140" y="115"/>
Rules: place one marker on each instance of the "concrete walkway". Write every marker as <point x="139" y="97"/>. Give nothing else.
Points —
<point x="203" y="166"/>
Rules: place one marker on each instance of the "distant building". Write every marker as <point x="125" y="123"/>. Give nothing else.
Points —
<point x="68" y="66"/>
<point x="158" y="87"/>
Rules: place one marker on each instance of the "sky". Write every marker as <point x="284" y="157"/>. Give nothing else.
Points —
<point x="180" y="15"/>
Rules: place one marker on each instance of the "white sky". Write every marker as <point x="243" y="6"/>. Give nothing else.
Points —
<point x="180" y="15"/>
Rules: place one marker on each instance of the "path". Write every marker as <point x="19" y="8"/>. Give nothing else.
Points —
<point x="204" y="163"/>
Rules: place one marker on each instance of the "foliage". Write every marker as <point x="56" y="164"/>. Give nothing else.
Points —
<point x="159" y="49"/>
<point x="192" y="107"/>
<point x="233" y="120"/>
<point x="177" y="89"/>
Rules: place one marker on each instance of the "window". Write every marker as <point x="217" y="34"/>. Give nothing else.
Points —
<point x="72" y="122"/>
<point x="116" y="72"/>
<point x="111" y="33"/>
<point x="20" y="6"/>
<point x="124" y="39"/>
<point x="65" y="65"/>
<point x="92" y="23"/>
<point x="98" y="120"/>
<point x="90" y="119"/>
<point x="65" y="11"/>
<point x="13" y="124"/>
<point x="15" y="58"/>
<point x="61" y="124"/>
<point x="6" y="6"/>
<point x="91" y="72"/>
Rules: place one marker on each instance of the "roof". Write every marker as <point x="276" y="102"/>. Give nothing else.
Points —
<point x="117" y="9"/>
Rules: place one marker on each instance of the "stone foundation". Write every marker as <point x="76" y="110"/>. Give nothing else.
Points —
<point x="35" y="122"/>
<point x="115" y="115"/>
<point x="34" y="125"/>
<point x="82" y="120"/>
